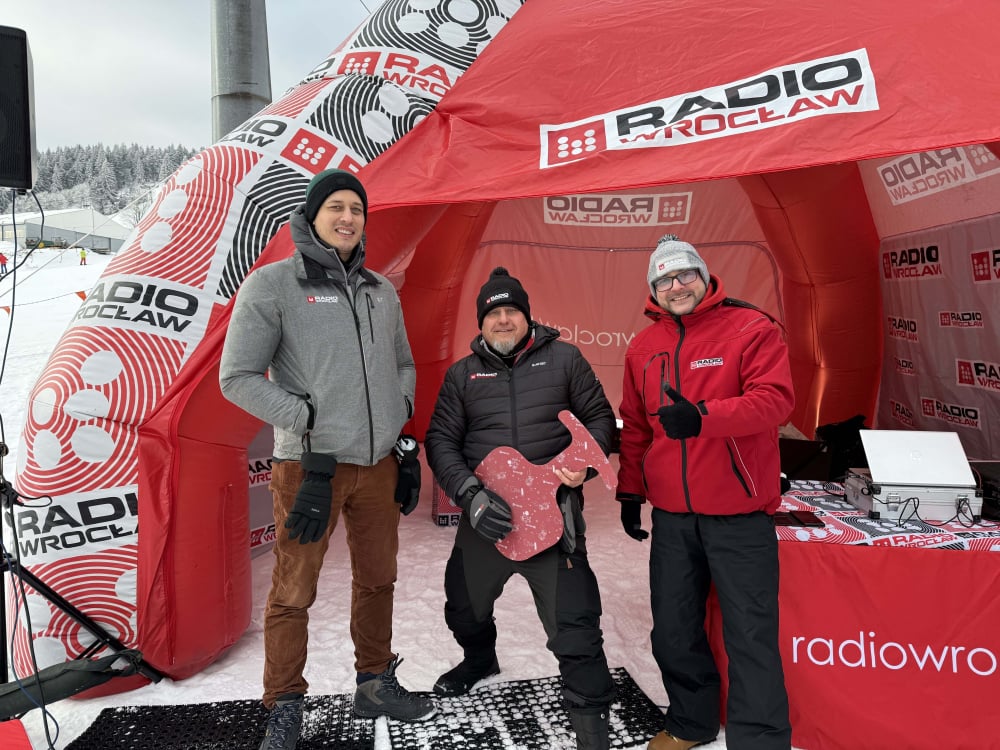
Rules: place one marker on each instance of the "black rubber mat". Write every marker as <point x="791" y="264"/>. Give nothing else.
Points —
<point x="525" y="715"/>
<point x="327" y="722"/>
<point x="518" y="715"/>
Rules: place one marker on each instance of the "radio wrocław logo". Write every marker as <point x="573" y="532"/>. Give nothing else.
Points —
<point x="904" y="329"/>
<point x="839" y="84"/>
<point x="912" y="263"/>
<point x="986" y="265"/>
<point x="979" y="374"/>
<point x="411" y="71"/>
<point x="918" y="175"/>
<point x="620" y="210"/>
<point x="960" y="319"/>
<point x="84" y="523"/>
<point x="868" y="651"/>
<point x="587" y="337"/>
<point x="259" y="471"/>
<point x="960" y="414"/>
<point x="901" y="413"/>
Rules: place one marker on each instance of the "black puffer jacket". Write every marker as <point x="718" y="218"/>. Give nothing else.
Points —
<point x="484" y="404"/>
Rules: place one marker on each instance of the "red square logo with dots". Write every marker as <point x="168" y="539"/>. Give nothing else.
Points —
<point x="309" y="150"/>
<point x="673" y="209"/>
<point x="886" y="266"/>
<point x="927" y="407"/>
<point x="982" y="159"/>
<point x="965" y="376"/>
<point x="981" y="266"/>
<point x="575" y="142"/>
<point x="349" y="164"/>
<point x="362" y="62"/>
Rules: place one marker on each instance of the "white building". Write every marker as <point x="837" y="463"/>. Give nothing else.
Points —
<point x="80" y="227"/>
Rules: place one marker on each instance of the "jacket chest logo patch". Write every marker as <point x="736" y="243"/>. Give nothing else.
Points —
<point x="539" y="364"/>
<point x="710" y="362"/>
<point x="481" y="375"/>
<point x="329" y="299"/>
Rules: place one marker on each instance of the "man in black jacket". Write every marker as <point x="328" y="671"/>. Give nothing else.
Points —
<point x="508" y="392"/>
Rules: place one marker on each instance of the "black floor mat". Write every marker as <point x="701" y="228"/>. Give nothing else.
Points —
<point x="526" y="715"/>
<point x="327" y="722"/>
<point x="519" y="715"/>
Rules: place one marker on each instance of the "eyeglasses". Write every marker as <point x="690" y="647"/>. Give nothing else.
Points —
<point x="665" y="283"/>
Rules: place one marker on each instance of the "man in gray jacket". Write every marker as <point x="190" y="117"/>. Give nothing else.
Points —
<point x="316" y="347"/>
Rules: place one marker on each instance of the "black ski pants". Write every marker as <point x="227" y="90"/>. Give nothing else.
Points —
<point x="739" y="554"/>
<point x="566" y="598"/>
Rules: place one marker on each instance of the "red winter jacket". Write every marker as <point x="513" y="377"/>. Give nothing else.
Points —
<point x="732" y="361"/>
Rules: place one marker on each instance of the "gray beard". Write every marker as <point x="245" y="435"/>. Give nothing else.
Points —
<point x="503" y="348"/>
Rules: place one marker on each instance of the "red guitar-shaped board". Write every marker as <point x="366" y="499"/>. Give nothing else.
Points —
<point x="530" y="489"/>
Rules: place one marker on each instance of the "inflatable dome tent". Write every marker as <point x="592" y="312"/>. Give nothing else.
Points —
<point x="835" y="163"/>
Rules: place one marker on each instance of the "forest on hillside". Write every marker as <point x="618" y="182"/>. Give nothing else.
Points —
<point x="115" y="179"/>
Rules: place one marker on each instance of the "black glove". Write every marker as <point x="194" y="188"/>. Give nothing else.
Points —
<point x="408" y="486"/>
<point x="488" y="513"/>
<point x="632" y="515"/>
<point x="681" y="419"/>
<point x="310" y="515"/>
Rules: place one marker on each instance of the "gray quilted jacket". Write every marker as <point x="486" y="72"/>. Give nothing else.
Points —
<point x="326" y="333"/>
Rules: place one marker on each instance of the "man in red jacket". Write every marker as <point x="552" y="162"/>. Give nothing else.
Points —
<point x="705" y="388"/>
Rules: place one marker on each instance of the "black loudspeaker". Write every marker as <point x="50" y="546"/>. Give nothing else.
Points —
<point x="17" y="120"/>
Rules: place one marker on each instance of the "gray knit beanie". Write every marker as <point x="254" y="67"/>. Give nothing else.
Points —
<point x="672" y="254"/>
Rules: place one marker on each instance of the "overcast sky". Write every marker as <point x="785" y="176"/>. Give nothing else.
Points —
<point x="123" y="71"/>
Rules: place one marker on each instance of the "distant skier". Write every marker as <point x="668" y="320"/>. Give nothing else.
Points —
<point x="3" y="264"/>
<point x="83" y="256"/>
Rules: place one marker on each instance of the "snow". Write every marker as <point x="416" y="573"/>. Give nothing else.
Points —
<point x="46" y="299"/>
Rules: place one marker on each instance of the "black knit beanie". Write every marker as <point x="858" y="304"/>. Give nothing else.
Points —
<point x="330" y="181"/>
<point x="501" y="289"/>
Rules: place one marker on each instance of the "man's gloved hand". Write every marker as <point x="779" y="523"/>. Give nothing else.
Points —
<point x="310" y="514"/>
<point x="408" y="486"/>
<point x="488" y="513"/>
<point x="680" y="419"/>
<point x="632" y="515"/>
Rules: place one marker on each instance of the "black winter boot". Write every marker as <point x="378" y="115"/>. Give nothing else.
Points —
<point x="470" y="670"/>
<point x="592" y="727"/>
<point x="283" y="724"/>
<point x="384" y="696"/>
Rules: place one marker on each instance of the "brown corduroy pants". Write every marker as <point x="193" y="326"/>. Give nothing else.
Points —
<point x="364" y="496"/>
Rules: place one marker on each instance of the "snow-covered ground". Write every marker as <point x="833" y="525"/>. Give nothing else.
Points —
<point x="46" y="299"/>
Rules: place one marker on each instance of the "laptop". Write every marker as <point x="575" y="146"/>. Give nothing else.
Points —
<point x="916" y="458"/>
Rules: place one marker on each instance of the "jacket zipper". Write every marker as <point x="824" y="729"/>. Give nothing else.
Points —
<point x="677" y="387"/>
<point x="736" y="470"/>
<point x="513" y="407"/>
<point x="502" y="366"/>
<point x="645" y="368"/>
<point x="364" y="371"/>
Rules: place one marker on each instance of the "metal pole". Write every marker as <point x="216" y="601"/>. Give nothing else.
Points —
<point x="241" y="72"/>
